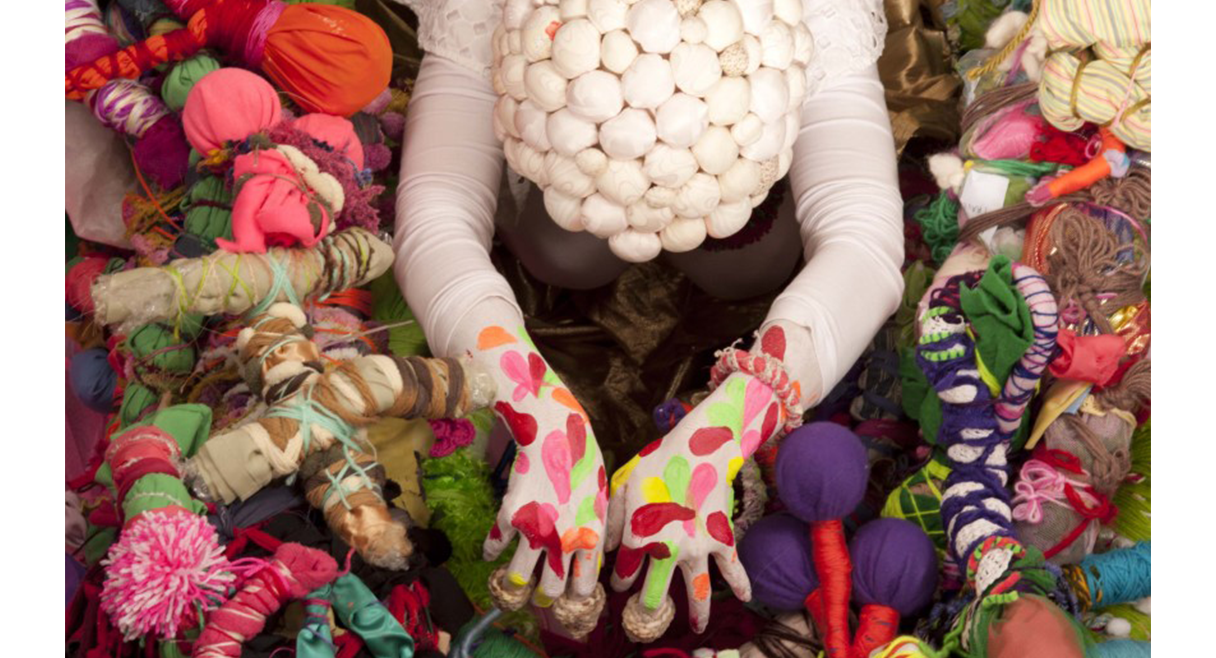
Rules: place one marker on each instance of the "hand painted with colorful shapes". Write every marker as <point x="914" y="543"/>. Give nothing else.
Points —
<point x="673" y="501"/>
<point x="557" y="496"/>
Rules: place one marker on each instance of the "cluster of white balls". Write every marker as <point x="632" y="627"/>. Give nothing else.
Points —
<point x="651" y="123"/>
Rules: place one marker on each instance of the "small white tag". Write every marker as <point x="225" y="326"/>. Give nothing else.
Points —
<point x="983" y="193"/>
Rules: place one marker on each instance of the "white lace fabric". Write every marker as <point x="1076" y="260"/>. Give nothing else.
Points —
<point x="849" y="34"/>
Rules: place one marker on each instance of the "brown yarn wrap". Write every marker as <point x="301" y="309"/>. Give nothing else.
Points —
<point x="358" y="393"/>
<point x="643" y="625"/>
<point x="580" y="616"/>
<point x="230" y="283"/>
<point x="1084" y="264"/>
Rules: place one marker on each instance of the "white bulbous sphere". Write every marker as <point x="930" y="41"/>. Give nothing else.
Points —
<point x="569" y="10"/>
<point x="602" y="217"/>
<point x="756" y="14"/>
<point x="530" y="123"/>
<point x="683" y="234"/>
<point x="498" y="43"/>
<point x="622" y="182"/>
<point x="648" y="82"/>
<point x="728" y="101"/>
<point x="804" y="44"/>
<point x="628" y="135"/>
<point x="669" y="166"/>
<point x="514" y="12"/>
<point x="792" y="124"/>
<point x="789" y="11"/>
<point x="634" y="246"/>
<point x="569" y="133"/>
<point x="770" y="142"/>
<point x="607" y="15"/>
<point x="525" y="160"/>
<point x="737" y="183"/>
<point x="647" y="218"/>
<point x="715" y="151"/>
<point x="777" y="45"/>
<point x="514" y="43"/>
<point x="565" y="176"/>
<point x="592" y="162"/>
<point x="682" y="120"/>
<point x="695" y="67"/>
<point x="595" y="96"/>
<point x="496" y="82"/>
<point x="755" y="53"/>
<point x="617" y="51"/>
<point x="504" y="113"/>
<point x="698" y="197"/>
<point x="513" y="71"/>
<point x="723" y="22"/>
<point x="655" y="25"/>
<point x="693" y="30"/>
<point x="576" y="48"/>
<point x="565" y="210"/>
<point x="795" y="79"/>
<point x="728" y="218"/>
<point x="784" y="160"/>
<point x="747" y="131"/>
<point x="536" y="35"/>
<point x="545" y="87"/>
<point x="770" y="94"/>
<point x="661" y="197"/>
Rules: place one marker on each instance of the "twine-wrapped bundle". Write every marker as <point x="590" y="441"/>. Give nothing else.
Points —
<point x="235" y="283"/>
<point x="315" y="427"/>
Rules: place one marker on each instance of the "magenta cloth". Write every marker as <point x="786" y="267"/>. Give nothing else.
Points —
<point x="894" y="564"/>
<point x="776" y="553"/>
<point x="228" y="105"/>
<point x="336" y="132"/>
<point x="272" y="206"/>
<point x="822" y="471"/>
<point x="84" y="427"/>
<point x="1093" y="359"/>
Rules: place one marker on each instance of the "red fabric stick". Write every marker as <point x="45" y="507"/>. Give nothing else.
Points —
<point x="877" y="626"/>
<point x="835" y="570"/>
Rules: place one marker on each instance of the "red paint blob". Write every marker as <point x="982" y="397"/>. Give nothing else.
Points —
<point x="770" y="423"/>
<point x="650" y="519"/>
<point x="708" y="439"/>
<point x="650" y="447"/>
<point x="719" y="528"/>
<point x="773" y="342"/>
<point x="536" y="525"/>
<point x="576" y="433"/>
<point x="523" y="425"/>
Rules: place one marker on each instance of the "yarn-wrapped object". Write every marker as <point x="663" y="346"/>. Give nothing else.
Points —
<point x="325" y="58"/>
<point x="651" y="124"/>
<point x="314" y="426"/>
<point x="228" y="105"/>
<point x="226" y="283"/>
<point x="894" y="576"/>
<point x="294" y="571"/>
<point x="1123" y="575"/>
<point x="822" y="470"/>
<point x="93" y="379"/>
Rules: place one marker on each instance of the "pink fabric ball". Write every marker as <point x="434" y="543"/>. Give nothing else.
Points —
<point x="228" y="105"/>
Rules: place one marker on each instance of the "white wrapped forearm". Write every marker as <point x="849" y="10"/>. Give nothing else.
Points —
<point x="451" y="169"/>
<point x="235" y="283"/>
<point x="846" y="192"/>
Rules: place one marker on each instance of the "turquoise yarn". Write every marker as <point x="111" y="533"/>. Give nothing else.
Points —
<point x="1119" y="649"/>
<point x="1121" y="576"/>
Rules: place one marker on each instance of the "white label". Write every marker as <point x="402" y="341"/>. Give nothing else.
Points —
<point x="983" y="193"/>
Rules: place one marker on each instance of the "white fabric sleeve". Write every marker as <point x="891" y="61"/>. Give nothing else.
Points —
<point x="451" y="171"/>
<point x="846" y="194"/>
<point x="458" y="30"/>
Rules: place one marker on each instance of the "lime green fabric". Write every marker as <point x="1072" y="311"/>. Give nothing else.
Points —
<point x="156" y="491"/>
<point x="182" y="78"/>
<point x="135" y="399"/>
<point x="208" y="209"/>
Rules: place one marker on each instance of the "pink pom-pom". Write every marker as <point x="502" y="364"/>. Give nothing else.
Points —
<point x="376" y="156"/>
<point x="393" y="125"/>
<point x="379" y="102"/>
<point x="163" y="154"/>
<point x="163" y="569"/>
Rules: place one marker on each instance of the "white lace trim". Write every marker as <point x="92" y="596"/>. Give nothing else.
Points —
<point x="849" y="34"/>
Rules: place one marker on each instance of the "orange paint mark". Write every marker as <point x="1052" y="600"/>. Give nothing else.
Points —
<point x="551" y="30"/>
<point x="577" y="568"/>
<point x="492" y="337"/>
<point x="576" y="538"/>
<point x="565" y="398"/>
<point x="700" y="586"/>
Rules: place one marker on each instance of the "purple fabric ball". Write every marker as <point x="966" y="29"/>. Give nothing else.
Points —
<point x="822" y="472"/>
<point x="776" y="553"/>
<point x="163" y="153"/>
<point x="894" y="564"/>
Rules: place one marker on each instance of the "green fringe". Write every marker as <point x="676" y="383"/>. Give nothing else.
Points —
<point x="939" y="225"/>
<point x="388" y="306"/>
<point x="1135" y="501"/>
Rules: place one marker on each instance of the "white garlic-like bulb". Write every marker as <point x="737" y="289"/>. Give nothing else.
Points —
<point x="650" y="123"/>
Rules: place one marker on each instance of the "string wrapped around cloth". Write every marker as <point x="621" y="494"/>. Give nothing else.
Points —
<point x="325" y="58"/>
<point x="225" y="283"/>
<point x="315" y="426"/>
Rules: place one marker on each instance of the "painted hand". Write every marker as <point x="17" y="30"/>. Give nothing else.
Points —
<point x="673" y="501"/>
<point x="557" y="497"/>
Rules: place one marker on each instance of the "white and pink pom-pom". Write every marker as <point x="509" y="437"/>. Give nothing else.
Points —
<point x="164" y="567"/>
